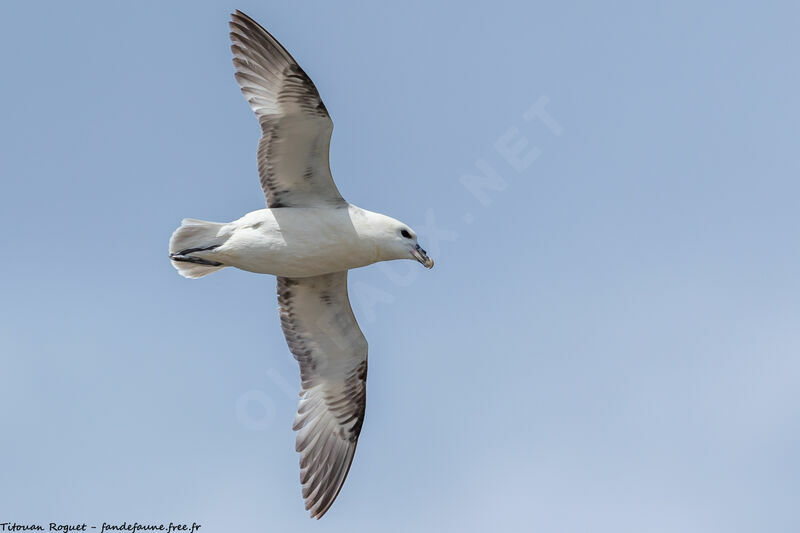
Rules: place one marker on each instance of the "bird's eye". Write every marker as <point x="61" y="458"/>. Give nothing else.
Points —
<point x="405" y="234"/>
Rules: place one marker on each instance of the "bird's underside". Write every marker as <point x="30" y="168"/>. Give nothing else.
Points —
<point x="325" y="339"/>
<point x="315" y="312"/>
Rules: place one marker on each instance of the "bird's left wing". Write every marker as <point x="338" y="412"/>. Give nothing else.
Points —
<point x="295" y="126"/>
<point x="324" y="337"/>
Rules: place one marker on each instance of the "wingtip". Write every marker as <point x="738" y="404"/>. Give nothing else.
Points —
<point x="237" y="17"/>
<point x="316" y="514"/>
<point x="241" y="16"/>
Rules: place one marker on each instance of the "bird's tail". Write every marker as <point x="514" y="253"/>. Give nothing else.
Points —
<point x="191" y="248"/>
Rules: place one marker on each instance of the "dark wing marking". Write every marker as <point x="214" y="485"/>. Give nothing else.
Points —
<point x="296" y="128"/>
<point x="324" y="337"/>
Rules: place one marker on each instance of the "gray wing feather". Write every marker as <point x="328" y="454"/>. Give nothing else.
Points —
<point x="296" y="129"/>
<point x="324" y="337"/>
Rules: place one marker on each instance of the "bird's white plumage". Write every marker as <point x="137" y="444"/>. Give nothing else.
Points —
<point x="309" y="237"/>
<point x="294" y="170"/>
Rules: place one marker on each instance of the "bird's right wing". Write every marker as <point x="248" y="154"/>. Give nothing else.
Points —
<point x="295" y="126"/>
<point x="324" y="337"/>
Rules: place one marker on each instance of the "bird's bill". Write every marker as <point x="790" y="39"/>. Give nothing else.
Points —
<point x="420" y="255"/>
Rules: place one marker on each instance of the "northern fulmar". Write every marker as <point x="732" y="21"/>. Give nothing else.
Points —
<point x="309" y="237"/>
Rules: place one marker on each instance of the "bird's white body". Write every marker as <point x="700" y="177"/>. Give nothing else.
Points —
<point x="296" y="242"/>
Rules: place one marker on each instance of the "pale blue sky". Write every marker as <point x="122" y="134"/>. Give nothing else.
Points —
<point x="610" y="344"/>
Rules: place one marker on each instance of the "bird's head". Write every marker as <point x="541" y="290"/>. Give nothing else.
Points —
<point x="398" y="241"/>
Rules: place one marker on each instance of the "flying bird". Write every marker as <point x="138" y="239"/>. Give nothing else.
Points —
<point x="309" y="237"/>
